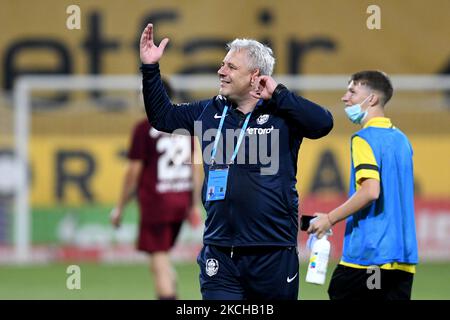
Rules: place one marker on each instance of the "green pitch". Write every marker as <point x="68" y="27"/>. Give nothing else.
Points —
<point x="124" y="281"/>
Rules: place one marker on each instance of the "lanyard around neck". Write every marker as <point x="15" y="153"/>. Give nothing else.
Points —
<point x="219" y="131"/>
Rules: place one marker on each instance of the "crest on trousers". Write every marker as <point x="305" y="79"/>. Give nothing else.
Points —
<point x="212" y="266"/>
<point x="262" y="119"/>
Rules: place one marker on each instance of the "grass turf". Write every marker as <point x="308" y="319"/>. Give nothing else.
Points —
<point x="133" y="281"/>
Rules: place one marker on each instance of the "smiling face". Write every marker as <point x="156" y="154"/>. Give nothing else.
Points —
<point x="235" y="76"/>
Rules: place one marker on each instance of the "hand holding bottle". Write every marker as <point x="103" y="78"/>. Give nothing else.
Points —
<point x="320" y="225"/>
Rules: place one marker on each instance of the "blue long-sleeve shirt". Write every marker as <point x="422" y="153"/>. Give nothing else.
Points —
<point x="261" y="203"/>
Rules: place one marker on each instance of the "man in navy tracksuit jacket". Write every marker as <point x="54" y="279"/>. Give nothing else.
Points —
<point x="250" y="136"/>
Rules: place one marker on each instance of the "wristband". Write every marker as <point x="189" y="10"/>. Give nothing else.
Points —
<point x="280" y="87"/>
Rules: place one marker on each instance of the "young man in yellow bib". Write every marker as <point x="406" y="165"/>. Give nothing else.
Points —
<point x="380" y="228"/>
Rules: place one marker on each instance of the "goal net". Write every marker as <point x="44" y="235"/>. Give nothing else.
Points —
<point x="62" y="158"/>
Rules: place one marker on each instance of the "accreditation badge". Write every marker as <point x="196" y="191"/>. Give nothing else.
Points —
<point x="217" y="182"/>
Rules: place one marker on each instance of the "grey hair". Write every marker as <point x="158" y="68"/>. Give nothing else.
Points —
<point x="260" y="56"/>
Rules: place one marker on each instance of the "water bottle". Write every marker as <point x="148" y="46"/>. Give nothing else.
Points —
<point x="318" y="261"/>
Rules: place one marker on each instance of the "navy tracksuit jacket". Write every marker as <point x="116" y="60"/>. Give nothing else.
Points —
<point x="259" y="209"/>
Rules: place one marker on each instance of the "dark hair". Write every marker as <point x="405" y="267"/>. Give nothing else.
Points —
<point x="168" y="88"/>
<point x="376" y="80"/>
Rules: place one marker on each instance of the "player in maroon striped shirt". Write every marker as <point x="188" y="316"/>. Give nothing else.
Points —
<point x="160" y="173"/>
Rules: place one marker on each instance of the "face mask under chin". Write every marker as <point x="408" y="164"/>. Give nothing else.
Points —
<point x="355" y="114"/>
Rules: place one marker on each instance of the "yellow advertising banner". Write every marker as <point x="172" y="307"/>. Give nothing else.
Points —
<point x="77" y="170"/>
<point x="308" y="37"/>
<point x="82" y="169"/>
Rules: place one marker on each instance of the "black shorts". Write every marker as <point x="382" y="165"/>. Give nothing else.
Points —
<point x="363" y="284"/>
<point x="252" y="273"/>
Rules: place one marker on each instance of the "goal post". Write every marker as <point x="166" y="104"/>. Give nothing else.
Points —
<point x="23" y="89"/>
<point x="26" y="85"/>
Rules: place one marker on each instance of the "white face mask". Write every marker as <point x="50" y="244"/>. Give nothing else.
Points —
<point x="355" y="113"/>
